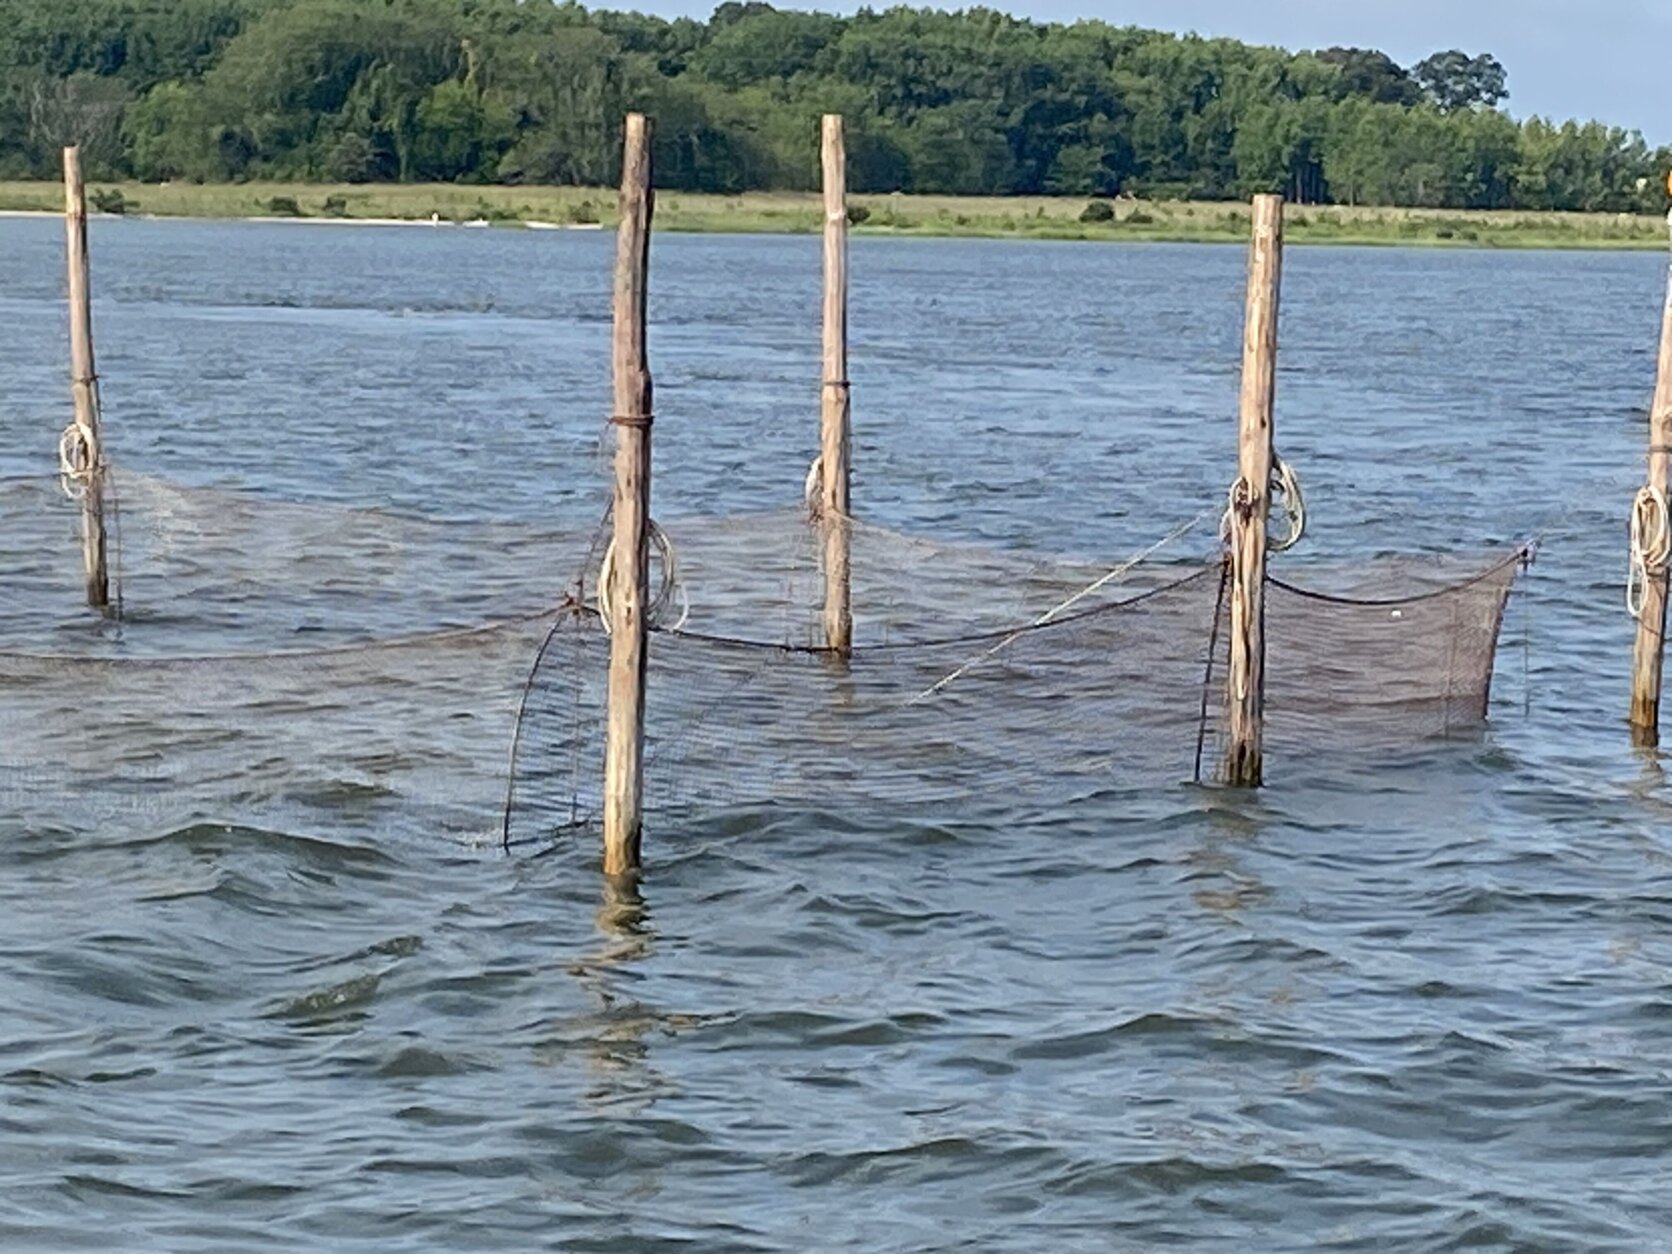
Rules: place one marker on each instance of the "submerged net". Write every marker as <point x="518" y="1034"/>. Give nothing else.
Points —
<point x="1127" y="695"/>
<point x="205" y="569"/>
<point x="1408" y="660"/>
<point x="412" y="733"/>
<point x="296" y="664"/>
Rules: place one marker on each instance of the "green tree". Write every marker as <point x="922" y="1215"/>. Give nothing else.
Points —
<point x="1280" y="148"/>
<point x="567" y="92"/>
<point x="1454" y="80"/>
<point x="765" y="45"/>
<point x="957" y="149"/>
<point x="170" y="136"/>
<point x="1371" y="75"/>
<point x="460" y="132"/>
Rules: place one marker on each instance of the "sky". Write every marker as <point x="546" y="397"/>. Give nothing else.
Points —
<point x="1604" y="59"/>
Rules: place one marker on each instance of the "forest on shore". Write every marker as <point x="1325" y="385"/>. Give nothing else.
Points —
<point x="961" y="103"/>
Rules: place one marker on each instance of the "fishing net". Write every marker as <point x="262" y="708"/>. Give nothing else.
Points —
<point x="275" y="663"/>
<point x="296" y="664"/>
<point x="1125" y="695"/>
<point x="210" y="570"/>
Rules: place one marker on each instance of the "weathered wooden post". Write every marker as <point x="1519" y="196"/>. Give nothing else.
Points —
<point x="630" y="570"/>
<point x="835" y="409"/>
<point x="1251" y="500"/>
<point x="1649" y="655"/>
<point x="81" y="450"/>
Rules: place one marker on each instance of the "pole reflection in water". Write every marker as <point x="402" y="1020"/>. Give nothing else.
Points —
<point x="612" y="1037"/>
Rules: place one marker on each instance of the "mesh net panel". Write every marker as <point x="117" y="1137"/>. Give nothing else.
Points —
<point x="1126" y="695"/>
<point x="1409" y="664"/>
<point x="758" y="577"/>
<point x="294" y="663"/>
<point x="207" y="569"/>
<point x="1037" y="718"/>
<point x="412" y="734"/>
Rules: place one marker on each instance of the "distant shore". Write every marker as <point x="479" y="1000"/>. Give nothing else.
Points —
<point x="1022" y="217"/>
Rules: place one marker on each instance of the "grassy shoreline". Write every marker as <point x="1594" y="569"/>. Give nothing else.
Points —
<point x="1022" y="217"/>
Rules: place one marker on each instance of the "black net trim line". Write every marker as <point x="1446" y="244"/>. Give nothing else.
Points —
<point x="1519" y="556"/>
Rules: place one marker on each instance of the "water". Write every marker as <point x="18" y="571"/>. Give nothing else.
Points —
<point x="1419" y="1005"/>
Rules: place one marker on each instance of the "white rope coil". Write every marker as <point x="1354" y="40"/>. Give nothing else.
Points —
<point x="813" y="491"/>
<point x="1651" y="545"/>
<point x="670" y="587"/>
<point x="1285" y="492"/>
<point x="1286" y="488"/>
<point x="77" y="458"/>
<point x="1283" y="488"/>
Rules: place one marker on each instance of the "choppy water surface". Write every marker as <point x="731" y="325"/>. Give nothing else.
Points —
<point x="1420" y="1005"/>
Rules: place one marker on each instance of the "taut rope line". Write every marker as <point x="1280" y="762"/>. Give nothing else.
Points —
<point x="1051" y="614"/>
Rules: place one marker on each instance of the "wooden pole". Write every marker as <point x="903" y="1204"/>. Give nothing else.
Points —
<point x="835" y="442"/>
<point x="84" y="388"/>
<point x="629" y="591"/>
<point x="1649" y="654"/>
<point x="1244" y="754"/>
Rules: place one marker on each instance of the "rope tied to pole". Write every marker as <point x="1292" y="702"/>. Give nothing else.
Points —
<point x="78" y="459"/>
<point x="670" y="587"/>
<point x="1284" y="491"/>
<point x="812" y="491"/>
<point x="1651" y="545"/>
<point x="1285" y="487"/>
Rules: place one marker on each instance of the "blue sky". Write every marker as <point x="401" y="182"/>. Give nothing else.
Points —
<point x="1606" y="59"/>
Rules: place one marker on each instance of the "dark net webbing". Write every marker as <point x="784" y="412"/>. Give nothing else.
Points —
<point x="1130" y="695"/>
<point x="212" y="570"/>
<point x="292" y="664"/>
<point x="1038" y="719"/>
<point x="1385" y="673"/>
<point x="415" y="734"/>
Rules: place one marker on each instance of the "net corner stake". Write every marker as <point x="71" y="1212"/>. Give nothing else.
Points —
<point x="630" y="596"/>
<point x="1244" y="765"/>
<point x="1649" y="652"/>
<point x="84" y="388"/>
<point x="835" y="405"/>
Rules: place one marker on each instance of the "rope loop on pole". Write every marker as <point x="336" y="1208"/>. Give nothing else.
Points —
<point x="1651" y="545"/>
<point x="670" y="588"/>
<point x="1237" y="505"/>
<point x="1285" y="487"/>
<point x="1282" y="488"/>
<point x="812" y="492"/>
<point x="78" y="458"/>
<point x="1283" y="491"/>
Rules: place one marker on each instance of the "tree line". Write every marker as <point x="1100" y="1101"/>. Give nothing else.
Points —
<point x="973" y="102"/>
